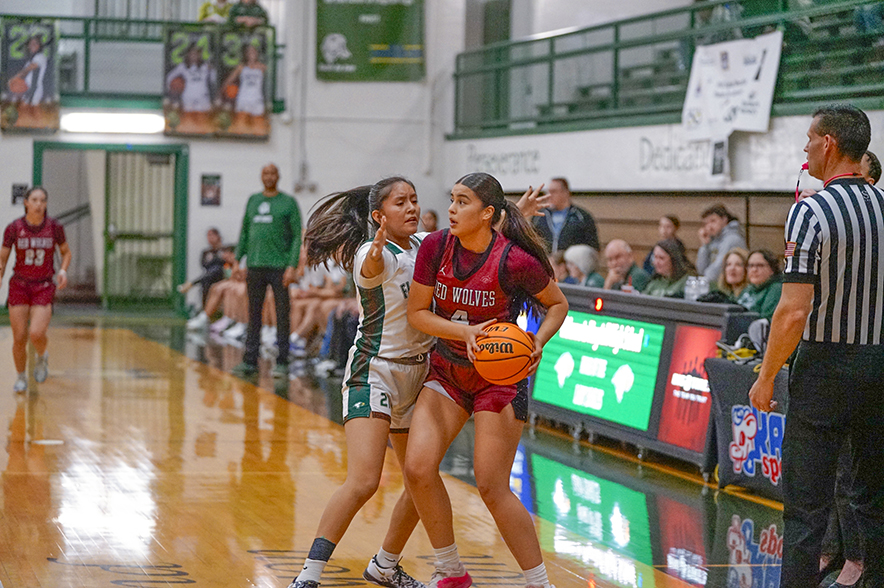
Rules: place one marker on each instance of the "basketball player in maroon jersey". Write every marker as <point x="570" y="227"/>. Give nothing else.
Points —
<point x="476" y="275"/>
<point x="35" y="237"/>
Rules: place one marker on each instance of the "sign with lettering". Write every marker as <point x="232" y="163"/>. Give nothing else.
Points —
<point x="757" y="445"/>
<point x="687" y="405"/>
<point x="731" y="87"/>
<point x="602" y="366"/>
<point x="370" y="41"/>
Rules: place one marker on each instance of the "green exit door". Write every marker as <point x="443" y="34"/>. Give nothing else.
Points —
<point x="145" y="222"/>
<point x="139" y="229"/>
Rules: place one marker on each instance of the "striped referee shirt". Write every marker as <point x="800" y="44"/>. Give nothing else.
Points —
<point x="832" y="242"/>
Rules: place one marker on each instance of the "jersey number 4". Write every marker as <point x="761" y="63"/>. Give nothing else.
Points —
<point x="460" y="316"/>
<point x="35" y="256"/>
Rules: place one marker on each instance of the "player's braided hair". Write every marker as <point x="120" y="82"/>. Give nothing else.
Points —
<point x="514" y="227"/>
<point x="342" y="222"/>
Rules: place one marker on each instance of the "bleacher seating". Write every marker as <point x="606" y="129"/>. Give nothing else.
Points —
<point x="824" y="57"/>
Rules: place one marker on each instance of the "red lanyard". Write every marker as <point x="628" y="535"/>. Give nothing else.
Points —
<point x="850" y="175"/>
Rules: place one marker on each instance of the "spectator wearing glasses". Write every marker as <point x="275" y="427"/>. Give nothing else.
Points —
<point x="762" y="293"/>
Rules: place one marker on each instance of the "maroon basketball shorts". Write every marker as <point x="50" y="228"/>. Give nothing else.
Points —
<point x="461" y="383"/>
<point x="25" y="293"/>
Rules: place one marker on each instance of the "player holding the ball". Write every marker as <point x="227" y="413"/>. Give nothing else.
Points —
<point x="372" y="231"/>
<point x="466" y="279"/>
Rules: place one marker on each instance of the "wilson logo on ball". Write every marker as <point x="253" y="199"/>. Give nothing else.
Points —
<point x="504" y="355"/>
<point x="495" y="347"/>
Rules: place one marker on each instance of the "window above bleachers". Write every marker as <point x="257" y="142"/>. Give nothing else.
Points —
<point x="635" y="71"/>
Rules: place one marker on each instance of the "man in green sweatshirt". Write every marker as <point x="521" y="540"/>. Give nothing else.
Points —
<point x="270" y="240"/>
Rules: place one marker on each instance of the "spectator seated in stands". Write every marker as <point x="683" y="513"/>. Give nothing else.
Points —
<point x="671" y="269"/>
<point x="213" y="262"/>
<point x="229" y="296"/>
<point x="247" y="13"/>
<point x="666" y="228"/>
<point x="216" y="11"/>
<point x="321" y="290"/>
<point x="560" y="268"/>
<point x="762" y="293"/>
<point x="720" y="233"/>
<point x="581" y="262"/>
<point x="563" y="224"/>
<point x="734" y="275"/>
<point x="623" y="273"/>
<point x="340" y="332"/>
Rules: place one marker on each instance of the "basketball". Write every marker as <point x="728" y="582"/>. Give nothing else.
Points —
<point x="231" y="90"/>
<point x="176" y="86"/>
<point x="504" y="356"/>
<point x="18" y="86"/>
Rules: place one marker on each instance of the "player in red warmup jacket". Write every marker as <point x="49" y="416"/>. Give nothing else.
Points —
<point x="35" y="238"/>
<point x="465" y="279"/>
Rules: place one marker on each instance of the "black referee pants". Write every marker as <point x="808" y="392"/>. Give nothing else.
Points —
<point x="835" y="392"/>
<point x="257" y="280"/>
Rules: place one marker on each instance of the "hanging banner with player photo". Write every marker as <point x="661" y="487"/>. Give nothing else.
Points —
<point x="245" y="67"/>
<point x="29" y="98"/>
<point x="731" y="87"/>
<point x="190" y="81"/>
<point x="370" y="41"/>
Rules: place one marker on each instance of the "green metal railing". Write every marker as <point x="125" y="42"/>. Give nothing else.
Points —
<point x="635" y="71"/>
<point x="85" y="43"/>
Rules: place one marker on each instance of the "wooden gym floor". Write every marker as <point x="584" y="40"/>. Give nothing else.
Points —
<point x="134" y="465"/>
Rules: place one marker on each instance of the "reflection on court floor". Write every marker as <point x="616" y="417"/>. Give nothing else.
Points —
<point x="136" y="465"/>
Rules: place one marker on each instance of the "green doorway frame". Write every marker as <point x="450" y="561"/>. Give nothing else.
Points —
<point x="180" y="208"/>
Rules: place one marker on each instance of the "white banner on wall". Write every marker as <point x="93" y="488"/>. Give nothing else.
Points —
<point x="731" y="87"/>
<point x="654" y="158"/>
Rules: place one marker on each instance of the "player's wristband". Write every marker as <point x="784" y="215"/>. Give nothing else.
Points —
<point x="62" y="272"/>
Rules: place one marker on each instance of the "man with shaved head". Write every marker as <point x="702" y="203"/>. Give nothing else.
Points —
<point x="623" y="273"/>
<point x="270" y="240"/>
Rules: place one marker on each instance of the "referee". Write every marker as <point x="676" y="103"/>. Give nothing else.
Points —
<point x="831" y="308"/>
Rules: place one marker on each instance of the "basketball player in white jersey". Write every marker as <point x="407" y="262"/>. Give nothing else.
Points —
<point x="199" y="77"/>
<point x="387" y="363"/>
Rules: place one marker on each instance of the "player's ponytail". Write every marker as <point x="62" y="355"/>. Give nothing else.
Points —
<point x="518" y="230"/>
<point x="337" y="227"/>
<point x="342" y="222"/>
<point x="514" y="226"/>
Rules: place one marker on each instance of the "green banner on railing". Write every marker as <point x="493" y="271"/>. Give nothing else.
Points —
<point x="370" y="40"/>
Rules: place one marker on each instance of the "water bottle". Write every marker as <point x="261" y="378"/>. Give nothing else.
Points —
<point x="690" y="288"/>
<point x="702" y="286"/>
